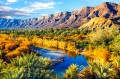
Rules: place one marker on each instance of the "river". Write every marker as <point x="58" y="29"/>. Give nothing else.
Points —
<point x="61" y="59"/>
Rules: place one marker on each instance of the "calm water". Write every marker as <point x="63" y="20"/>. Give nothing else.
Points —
<point x="79" y="60"/>
<point x="68" y="59"/>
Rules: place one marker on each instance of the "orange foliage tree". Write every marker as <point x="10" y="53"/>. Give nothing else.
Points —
<point x="98" y="54"/>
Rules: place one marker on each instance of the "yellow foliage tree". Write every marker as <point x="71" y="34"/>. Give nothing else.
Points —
<point x="98" y="54"/>
<point x="71" y="47"/>
<point x="11" y="46"/>
<point x="62" y="45"/>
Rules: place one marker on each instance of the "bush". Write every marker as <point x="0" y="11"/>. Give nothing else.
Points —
<point x="18" y="52"/>
<point x="11" y="46"/>
<point x="28" y="67"/>
<point x="2" y="54"/>
<point x="2" y="68"/>
<point x="97" y="53"/>
<point x="115" y="44"/>
<point x="71" y="72"/>
<point x="86" y="73"/>
<point x="103" y="36"/>
<point x="100" y="70"/>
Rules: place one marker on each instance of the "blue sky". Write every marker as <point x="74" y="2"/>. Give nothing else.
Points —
<point x="35" y="8"/>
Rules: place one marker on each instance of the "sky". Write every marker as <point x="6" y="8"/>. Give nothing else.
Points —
<point x="22" y="9"/>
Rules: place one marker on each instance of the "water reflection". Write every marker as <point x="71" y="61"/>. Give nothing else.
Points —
<point x="61" y="68"/>
<point x="71" y="54"/>
<point x="69" y="58"/>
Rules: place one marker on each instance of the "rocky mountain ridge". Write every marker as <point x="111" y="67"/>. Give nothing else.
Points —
<point x="66" y="19"/>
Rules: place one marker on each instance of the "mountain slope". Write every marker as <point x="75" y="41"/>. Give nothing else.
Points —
<point x="67" y="19"/>
<point x="98" y="23"/>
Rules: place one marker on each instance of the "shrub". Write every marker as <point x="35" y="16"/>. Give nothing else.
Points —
<point x="18" y="52"/>
<point x="115" y="44"/>
<point x="86" y="73"/>
<point x="101" y="70"/>
<point x="71" y="72"/>
<point x="2" y="54"/>
<point x="11" y="46"/>
<point x="98" y="53"/>
<point x="28" y="67"/>
<point x="2" y="69"/>
<point x="71" y="47"/>
<point x="62" y="45"/>
<point x="2" y="45"/>
<point x="103" y="36"/>
<point x="116" y="67"/>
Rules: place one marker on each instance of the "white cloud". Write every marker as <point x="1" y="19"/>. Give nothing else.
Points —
<point x="22" y="14"/>
<point x="8" y="17"/>
<point x="11" y="1"/>
<point x="40" y="5"/>
<point x="43" y="14"/>
<point x="5" y="8"/>
<point x="6" y="11"/>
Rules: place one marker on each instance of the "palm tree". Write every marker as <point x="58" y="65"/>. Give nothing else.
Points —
<point x="101" y="70"/>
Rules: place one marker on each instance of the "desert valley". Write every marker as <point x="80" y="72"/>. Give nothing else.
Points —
<point x="81" y="44"/>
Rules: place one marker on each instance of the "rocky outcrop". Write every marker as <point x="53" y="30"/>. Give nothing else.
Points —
<point x="66" y="19"/>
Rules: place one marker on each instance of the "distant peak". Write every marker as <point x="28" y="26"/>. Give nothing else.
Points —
<point x="109" y="3"/>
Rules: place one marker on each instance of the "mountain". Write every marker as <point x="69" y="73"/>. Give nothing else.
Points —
<point x="67" y="19"/>
<point x="98" y="23"/>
